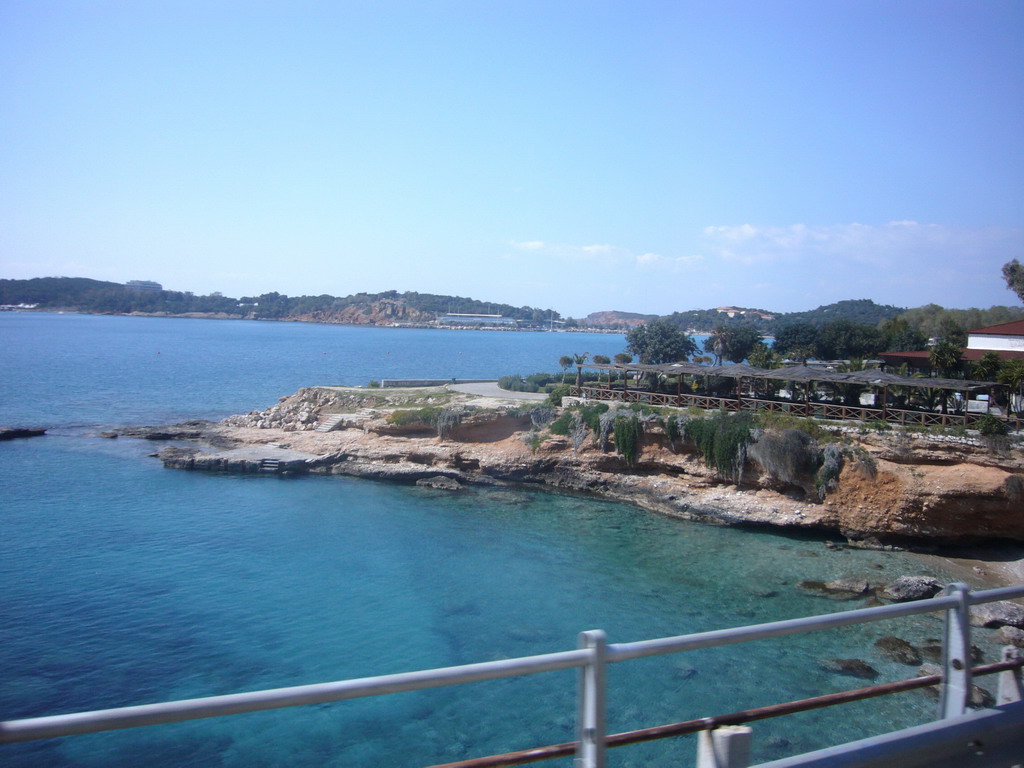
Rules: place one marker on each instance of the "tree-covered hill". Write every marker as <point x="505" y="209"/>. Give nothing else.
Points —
<point x="86" y="295"/>
<point x="863" y="311"/>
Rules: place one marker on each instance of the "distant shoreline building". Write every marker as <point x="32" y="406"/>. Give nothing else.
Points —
<point x="460" y="318"/>
<point x="734" y="311"/>
<point x="143" y="285"/>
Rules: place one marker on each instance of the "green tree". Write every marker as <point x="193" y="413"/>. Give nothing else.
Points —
<point x="952" y="331"/>
<point x="898" y="335"/>
<point x="844" y="339"/>
<point x="602" y="360"/>
<point x="623" y="359"/>
<point x="660" y="341"/>
<point x="579" y="360"/>
<point x="763" y="356"/>
<point x="987" y="368"/>
<point x="1013" y="273"/>
<point x="944" y="357"/>
<point x="1011" y="374"/>
<point x="733" y="343"/>
<point x="564" y="362"/>
<point x="796" y="340"/>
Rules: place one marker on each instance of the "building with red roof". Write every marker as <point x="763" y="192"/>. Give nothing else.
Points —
<point x="1005" y="339"/>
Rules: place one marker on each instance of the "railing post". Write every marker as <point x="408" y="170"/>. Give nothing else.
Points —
<point x="725" y="747"/>
<point x="1009" y="680"/>
<point x="956" y="659"/>
<point x="590" y="721"/>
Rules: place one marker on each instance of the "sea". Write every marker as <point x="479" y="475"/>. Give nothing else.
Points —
<point x="123" y="583"/>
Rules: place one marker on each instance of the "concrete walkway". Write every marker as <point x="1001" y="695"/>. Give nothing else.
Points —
<point x="491" y="389"/>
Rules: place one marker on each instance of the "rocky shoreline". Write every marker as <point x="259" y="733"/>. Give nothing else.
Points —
<point x="927" y="496"/>
<point x="908" y="491"/>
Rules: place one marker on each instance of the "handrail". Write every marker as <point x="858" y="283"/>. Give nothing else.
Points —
<point x="686" y="727"/>
<point x="643" y="648"/>
<point x="33" y="728"/>
<point x="593" y="655"/>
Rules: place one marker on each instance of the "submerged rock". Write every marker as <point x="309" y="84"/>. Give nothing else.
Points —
<point x="12" y="433"/>
<point x="849" y="667"/>
<point x="907" y="588"/>
<point x="1011" y="636"/>
<point x="979" y="698"/>
<point x="440" y="482"/>
<point x="840" y="589"/>
<point x="1003" y="613"/>
<point x="898" y="649"/>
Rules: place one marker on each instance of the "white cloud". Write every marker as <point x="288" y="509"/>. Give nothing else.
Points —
<point x="606" y="255"/>
<point x="880" y="245"/>
<point x="899" y="262"/>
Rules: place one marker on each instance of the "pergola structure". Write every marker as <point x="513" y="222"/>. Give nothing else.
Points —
<point x="650" y="383"/>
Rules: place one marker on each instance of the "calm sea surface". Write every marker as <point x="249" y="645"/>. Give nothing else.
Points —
<point x="125" y="583"/>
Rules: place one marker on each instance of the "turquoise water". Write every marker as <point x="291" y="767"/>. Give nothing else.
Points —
<point x="125" y="583"/>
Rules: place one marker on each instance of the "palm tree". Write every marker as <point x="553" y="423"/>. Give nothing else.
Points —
<point x="579" y="360"/>
<point x="564" y="362"/>
<point x="945" y="357"/>
<point x="1012" y="375"/>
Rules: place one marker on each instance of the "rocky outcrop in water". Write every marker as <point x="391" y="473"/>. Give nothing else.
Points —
<point x="948" y="498"/>
<point x="13" y="433"/>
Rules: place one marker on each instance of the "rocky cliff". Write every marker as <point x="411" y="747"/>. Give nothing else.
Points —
<point x="894" y="488"/>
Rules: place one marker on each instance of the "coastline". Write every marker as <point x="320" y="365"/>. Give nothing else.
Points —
<point x="949" y="503"/>
<point x="226" y="316"/>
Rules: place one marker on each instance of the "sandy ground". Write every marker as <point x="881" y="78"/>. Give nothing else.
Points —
<point x="988" y="568"/>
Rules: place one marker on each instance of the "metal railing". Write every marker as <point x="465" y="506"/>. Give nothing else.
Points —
<point x="590" y="658"/>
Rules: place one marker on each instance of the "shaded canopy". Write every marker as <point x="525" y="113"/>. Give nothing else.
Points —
<point x="801" y="373"/>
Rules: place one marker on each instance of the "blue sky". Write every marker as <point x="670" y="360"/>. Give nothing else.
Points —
<point x="641" y="156"/>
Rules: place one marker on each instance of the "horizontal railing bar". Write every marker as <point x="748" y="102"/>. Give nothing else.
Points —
<point x="643" y="648"/>
<point x="319" y="693"/>
<point x="255" y="701"/>
<point x="991" y="595"/>
<point x="735" y="718"/>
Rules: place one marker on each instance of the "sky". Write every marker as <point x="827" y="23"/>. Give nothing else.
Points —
<point x="583" y="156"/>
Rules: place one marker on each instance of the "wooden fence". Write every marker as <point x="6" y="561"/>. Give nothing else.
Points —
<point x="794" y="407"/>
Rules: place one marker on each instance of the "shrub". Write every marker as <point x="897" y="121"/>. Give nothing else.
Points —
<point x="374" y="384"/>
<point x="827" y="478"/>
<point x="413" y="416"/>
<point x="533" y="440"/>
<point x="674" y="429"/>
<point x="989" y="426"/>
<point x="864" y="463"/>
<point x="577" y="430"/>
<point x="722" y="441"/>
<point x="770" y="420"/>
<point x="557" y="393"/>
<point x="541" y="380"/>
<point x="788" y="456"/>
<point x="560" y="426"/>
<point x="628" y="435"/>
<point x="592" y="415"/>
<point x="604" y="428"/>
<point x="541" y="415"/>
<point x="446" y="420"/>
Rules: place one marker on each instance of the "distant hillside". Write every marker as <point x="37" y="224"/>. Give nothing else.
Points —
<point x="615" y="319"/>
<point x="86" y="295"/>
<point x="704" y="320"/>
<point x="863" y="311"/>
<point x="855" y="310"/>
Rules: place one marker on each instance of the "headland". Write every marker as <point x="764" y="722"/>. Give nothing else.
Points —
<point x="918" y="491"/>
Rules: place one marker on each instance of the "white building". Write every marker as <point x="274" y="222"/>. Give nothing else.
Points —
<point x="1005" y="337"/>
